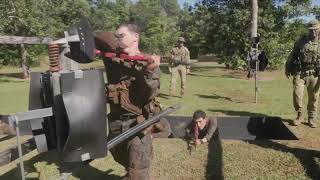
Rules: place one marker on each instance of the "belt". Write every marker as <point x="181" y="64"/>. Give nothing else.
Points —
<point x="308" y="72"/>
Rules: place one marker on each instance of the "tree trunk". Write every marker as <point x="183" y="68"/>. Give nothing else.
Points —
<point x="24" y="66"/>
<point x="254" y="20"/>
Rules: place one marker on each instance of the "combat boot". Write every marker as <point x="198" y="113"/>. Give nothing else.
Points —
<point x="312" y="123"/>
<point x="172" y="93"/>
<point x="182" y="93"/>
<point x="298" y="120"/>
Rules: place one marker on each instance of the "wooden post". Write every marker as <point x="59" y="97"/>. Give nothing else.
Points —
<point x="254" y="20"/>
<point x="24" y="66"/>
<point x="65" y="62"/>
<point x="22" y="41"/>
<point x="254" y="34"/>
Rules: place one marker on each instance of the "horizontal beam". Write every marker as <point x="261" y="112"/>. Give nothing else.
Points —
<point x="33" y="114"/>
<point x="25" y="40"/>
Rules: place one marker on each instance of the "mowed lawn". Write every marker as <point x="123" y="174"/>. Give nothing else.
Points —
<point x="217" y="91"/>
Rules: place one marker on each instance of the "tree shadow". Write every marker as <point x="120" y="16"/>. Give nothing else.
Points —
<point x="202" y="75"/>
<point x="11" y="75"/>
<point x="236" y="113"/>
<point x="245" y="113"/>
<point x="305" y="156"/>
<point x="214" y="96"/>
<point x="81" y="170"/>
<point x="164" y="96"/>
<point x="214" y="169"/>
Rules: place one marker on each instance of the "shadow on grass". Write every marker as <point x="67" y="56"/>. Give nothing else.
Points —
<point x="306" y="157"/>
<point x="214" y="96"/>
<point x="79" y="170"/>
<point x="236" y="113"/>
<point x="4" y="80"/>
<point x="195" y="70"/>
<point x="11" y="75"/>
<point x="164" y="96"/>
<point x="244" y="113"/>
<point x="214" y="169"/>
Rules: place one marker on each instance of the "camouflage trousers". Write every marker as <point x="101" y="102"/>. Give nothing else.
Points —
<point x="175" y="72"/>
<point x="135" y="154"/>
<point x="312" y="83"/>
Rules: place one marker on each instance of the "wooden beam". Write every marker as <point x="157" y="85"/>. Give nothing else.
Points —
<point x="25" y="40"/>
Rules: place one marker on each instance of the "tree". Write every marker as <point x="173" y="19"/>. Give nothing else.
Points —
<point x="225" y="21"/>
<point x="36" y="18"/>
<point x="158" y="22"/>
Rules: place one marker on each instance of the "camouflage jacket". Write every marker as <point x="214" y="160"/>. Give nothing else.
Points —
<point x="131" y="88"/>
<point x="304" y="56"/>
<point x="179" y="56"/>
<point x="207" y="132"/>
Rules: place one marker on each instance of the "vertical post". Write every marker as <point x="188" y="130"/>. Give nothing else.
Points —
<point x="256" y="81"/>
<point x="254" y="20"/>
<point x="25" y="73"/>
<point x="254" y="34"/>
<point x="67" y="63"/>
<point x="16" y="120"/>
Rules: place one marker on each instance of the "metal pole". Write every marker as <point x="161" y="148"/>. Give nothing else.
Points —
<point x="19" y="148"/>
<point x="132" y="131"/>
<point x="256" y="80"/>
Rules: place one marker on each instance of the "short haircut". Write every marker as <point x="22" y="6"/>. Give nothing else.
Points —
<point x="131" y="27"/>
<point x="199" y="114"/>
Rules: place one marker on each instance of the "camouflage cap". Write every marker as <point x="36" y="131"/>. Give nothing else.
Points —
<point x="314" y="24"/>
<point x="181" y="39"/>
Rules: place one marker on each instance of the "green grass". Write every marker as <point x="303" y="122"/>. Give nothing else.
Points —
<point x="219" y="92"/>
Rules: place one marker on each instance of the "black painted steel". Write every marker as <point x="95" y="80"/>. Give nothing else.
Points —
<point x="84" y="50"/>
<point x="239" y="128"/>
<point x="81" y="116"/>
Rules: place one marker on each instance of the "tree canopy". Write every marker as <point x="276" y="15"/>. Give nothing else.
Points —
<point x="219" y="27"/>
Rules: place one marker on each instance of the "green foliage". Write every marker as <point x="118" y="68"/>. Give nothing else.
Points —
<point x="158" y="22"/>
<point x="36" y="18"/>
<point x="223" y="28"/>
<point x="210" y="27"/>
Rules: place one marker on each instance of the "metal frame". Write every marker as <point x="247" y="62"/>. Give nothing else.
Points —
<point x="26" y="116"/>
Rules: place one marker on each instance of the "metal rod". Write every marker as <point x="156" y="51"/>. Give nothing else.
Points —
<point x="256" y="81"/>
<point x="19" y="148"/>
<point x="132" y="131"/>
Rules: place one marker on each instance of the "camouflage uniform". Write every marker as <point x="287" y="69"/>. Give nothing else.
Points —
<point x="207" y="132"/>
<point x="180" y="57"/>
<point x="303" y="65"/>
<point x="131" y="91"/>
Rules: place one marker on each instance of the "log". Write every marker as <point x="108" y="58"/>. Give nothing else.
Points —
<point x="24" y="40"/>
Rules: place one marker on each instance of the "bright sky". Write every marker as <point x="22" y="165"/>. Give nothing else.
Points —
<point x="181" y="2"/>
<point x="306" y="18"/>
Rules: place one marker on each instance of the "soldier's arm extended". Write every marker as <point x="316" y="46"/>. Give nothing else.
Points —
<point x="188" y="58"/>
<point x="293" y="56"/>
<point x="212" y="128"/>
<point x="163" y="129"/>
<point x="153" y="62"/>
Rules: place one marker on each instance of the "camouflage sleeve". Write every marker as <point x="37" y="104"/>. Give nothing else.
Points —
<point x="171" y="58"/>
<point x="187" y="55"/>
<point x="172" y="55"/>
<point x="294" y="54"/>
<point x="212" y="128"/>
<point x="163" y="129"/>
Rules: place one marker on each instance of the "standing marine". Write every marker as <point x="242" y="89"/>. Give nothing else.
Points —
<point x="180" y="65"/>
<point x="303" y="65"/>
<point x="131" y="91"/>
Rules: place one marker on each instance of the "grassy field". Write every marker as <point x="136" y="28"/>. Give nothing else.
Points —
<point x="219" y="92"/>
